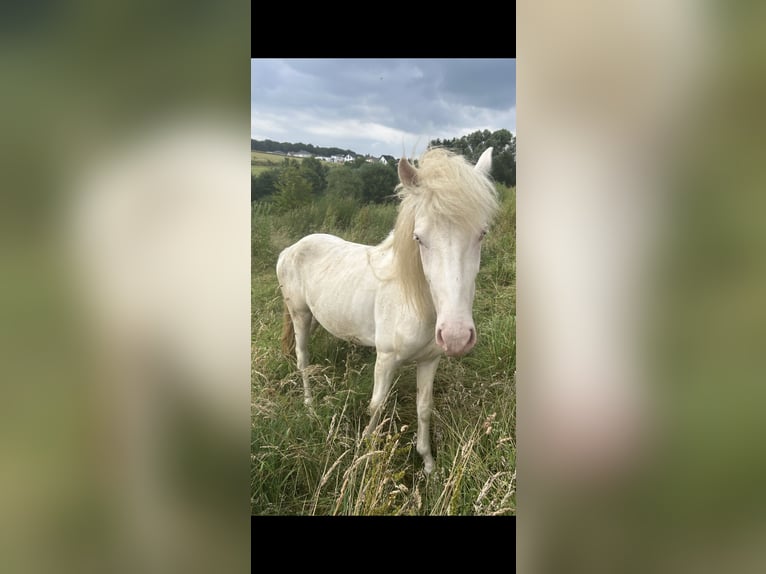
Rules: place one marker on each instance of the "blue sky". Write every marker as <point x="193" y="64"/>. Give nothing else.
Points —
<point x="386" y="106"/>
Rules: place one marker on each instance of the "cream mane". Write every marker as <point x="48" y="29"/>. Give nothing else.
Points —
<point x="446" y="186"/>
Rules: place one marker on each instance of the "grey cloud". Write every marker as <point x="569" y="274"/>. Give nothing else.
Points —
<point x="429" y="97"/>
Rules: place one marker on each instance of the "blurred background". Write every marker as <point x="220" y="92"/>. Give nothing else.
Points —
<point x="641" y="311"/>
<point x="124" y="313"/>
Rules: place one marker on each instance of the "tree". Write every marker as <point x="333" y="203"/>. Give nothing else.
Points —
<point x="378" y="182"/>
<point x="472" y="145"/>
<point x="502" y="140"/>
<point x="293" y="189"/>
<point x="504" y="168"/>
<point x="263" y="184"/>
<point x="344" y="182"/>
<point x="315" y="172"/>
<point x="476" y="143"/>
<point x="359" y="161"/>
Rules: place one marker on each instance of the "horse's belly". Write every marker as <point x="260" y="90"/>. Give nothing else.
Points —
<point x="347" y="331"/>
<point x="348" y="316"/>
<point x="339" y="287"/>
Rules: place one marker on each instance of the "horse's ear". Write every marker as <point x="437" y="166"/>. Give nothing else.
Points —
<point x="408" y="175"/>
<point x="484" y="165"/>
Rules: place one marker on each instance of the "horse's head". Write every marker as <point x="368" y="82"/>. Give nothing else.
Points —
<point x="448" y="227"/>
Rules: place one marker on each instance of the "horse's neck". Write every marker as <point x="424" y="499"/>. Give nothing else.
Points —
<point x="382" y="259"/>
<point x="385" y="264"/>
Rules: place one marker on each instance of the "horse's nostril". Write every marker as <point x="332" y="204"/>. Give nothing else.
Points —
<point x="439" y="338"/>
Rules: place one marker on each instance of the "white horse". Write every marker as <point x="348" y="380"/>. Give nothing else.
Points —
<point x="411" y="296"/>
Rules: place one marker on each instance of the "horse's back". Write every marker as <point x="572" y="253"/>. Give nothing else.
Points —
<point x="315" y="243"/>
<point x="316" y="250"/>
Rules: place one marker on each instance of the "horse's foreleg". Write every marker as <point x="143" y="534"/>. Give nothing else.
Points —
<point x="385" y="366"/>
<point x="426" y="372"/>
<point x="302" y="324"/>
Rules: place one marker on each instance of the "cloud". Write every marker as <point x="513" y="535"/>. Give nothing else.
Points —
<point x="370" y="105"/>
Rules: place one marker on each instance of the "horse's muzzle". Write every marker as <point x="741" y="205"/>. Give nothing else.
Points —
<point x="456" y="339"/>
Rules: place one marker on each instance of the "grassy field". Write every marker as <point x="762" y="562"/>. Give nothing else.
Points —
<point x="261" y="161"/>
<point x="317" y="463"/>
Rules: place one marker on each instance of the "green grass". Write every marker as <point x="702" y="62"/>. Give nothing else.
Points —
<point x="262" y="161"/>
<point x="317" y="463"/>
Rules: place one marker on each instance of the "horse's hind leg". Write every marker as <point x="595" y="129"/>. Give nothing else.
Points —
<point x="302" y="326"/>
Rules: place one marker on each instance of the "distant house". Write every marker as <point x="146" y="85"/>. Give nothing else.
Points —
<point x="331" y="159"/>
<point x="384" y="159"/>
<point x="340" y="158"/>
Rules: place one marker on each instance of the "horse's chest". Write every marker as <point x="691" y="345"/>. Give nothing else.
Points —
<point x="399" y="330"/>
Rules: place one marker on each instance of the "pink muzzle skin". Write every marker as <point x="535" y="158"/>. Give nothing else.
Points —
<point x="456" y="339"/>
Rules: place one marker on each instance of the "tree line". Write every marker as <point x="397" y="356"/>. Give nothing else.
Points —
<point x="285" y="147"/>
<point x="473" y="145"/>
<point x="296" y="183"/>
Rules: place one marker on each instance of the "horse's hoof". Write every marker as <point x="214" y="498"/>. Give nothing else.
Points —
<point x="428" y="465"/>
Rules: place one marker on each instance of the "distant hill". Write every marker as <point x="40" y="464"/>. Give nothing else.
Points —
<point x="285" y="147"/>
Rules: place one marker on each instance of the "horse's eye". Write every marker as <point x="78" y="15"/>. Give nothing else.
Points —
<point x="416" y="237"/>
<point x="482" y="235"/>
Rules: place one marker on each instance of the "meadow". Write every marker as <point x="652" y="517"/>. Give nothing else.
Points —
<point x="261" y="161"/>
<point x="317" y="463"/>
